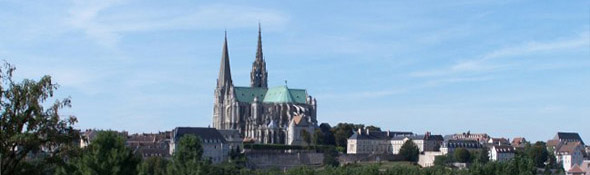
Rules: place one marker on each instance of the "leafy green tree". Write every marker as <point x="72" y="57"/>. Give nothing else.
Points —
<point x="328" y="135"/>
<point x="105" y="155"/>
<point x="34" y="137"/>
<point x="153" y="166"/>
<point x="331" y="157"/>
<point x="538" y="153"/>
<point x="373" y="128"/>
<point x="187" y="157"/>
<point x="409" y="151"/>
<point x="342" y="132"/>
<point x="442" y="160"/>
<point x="481" y="156"/>
<point x="318" y="137"/>
<point x="462" y="155"/>
<point x="306" y="136"/>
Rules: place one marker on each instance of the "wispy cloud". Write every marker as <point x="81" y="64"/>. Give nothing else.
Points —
<point x="489" y="61"/>
<point x="107" y="29"/>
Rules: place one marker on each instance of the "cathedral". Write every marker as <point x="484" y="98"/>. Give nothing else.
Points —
<point x="276" y="115"/>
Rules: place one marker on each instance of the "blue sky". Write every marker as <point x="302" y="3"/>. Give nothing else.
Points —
<point x="508" y="68"/>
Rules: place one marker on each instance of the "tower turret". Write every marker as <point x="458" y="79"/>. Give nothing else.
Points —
<point x="258" y="76"/>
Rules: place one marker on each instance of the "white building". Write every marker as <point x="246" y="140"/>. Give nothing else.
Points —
<point x="501" y="153"/>
<point x="426" y="142"/>
<point x="372" y="142"/>
<point x="215" y="147"/>
<point x="426" y="159"/>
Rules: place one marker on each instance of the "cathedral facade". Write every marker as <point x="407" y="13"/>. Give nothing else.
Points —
<point x="277" y="115"/>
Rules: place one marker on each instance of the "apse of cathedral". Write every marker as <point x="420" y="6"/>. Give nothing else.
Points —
<point x="276" y="115"/>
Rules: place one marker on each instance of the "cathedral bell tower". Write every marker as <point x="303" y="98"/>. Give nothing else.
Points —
<point x="223" y="91"/>
<point x="258" y="76"/>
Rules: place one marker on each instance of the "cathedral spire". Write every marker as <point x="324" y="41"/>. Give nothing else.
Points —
<point x="259" y="56"/>
<point x="258" y="76"/>
<point x="224" y="69"/>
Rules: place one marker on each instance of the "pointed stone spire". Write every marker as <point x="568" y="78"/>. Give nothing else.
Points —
<point x="259" y="56"/>
<point x="258" y="76"/>
<point x="224" y="69"/>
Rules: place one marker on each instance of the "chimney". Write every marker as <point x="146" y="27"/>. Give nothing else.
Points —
<point x="360" y="131"/>
<point x="388" y="133"/>
<point x="367" y="131"/>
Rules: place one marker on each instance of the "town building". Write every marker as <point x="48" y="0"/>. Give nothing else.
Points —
<point x="575" y="170"/>
<point x="426" y="142"/>
<point x="501" y="153"/>
<point x="479" y="137"/>
<point x="233" y="139"/>
<point x="568" y="137"/>
<point x="519" y="142"/>
<point x="215" y="147"/>
<point x="449" y="146"/>
<point x="498" y="141"/>
<point x="372" y="142"/>
<point x="150" y="144"/>
<point x="569" y="154"/>
<point x="259" y="113"/>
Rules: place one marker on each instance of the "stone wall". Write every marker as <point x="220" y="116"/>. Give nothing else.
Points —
<point x="283" y="160"/>
<point x="374" y="158"/>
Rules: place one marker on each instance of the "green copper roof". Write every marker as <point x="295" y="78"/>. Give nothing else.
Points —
<point x="247" y="94"/>
<point x="280" y="94"/>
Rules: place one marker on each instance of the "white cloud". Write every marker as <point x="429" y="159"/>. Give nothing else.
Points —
<point x="492" y="61"/>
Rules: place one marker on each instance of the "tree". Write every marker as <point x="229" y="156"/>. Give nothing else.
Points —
<point x="462" y="155"/>
<point x="409" y="151"/>
<point x="373" y="128"/>
<point x="306" y="137"/>
<point x="318" y="137"/>
<point x="481" y="156"/>
<point x="442" y="160"/>
<point x="328" y="135"/>
<point x="342" y="132"/>
<point x="330" y="157"/>
<point x="30" y="128"/>
<point x="153" y="166"/>
<point x="187" y="157"/>
<point x="538" y="153"/>
<point x="105" y="155"/>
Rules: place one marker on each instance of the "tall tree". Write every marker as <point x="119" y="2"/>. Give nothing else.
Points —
<point x="462" y="155"/>
<point x="538" y="153"/>
<point x="30" y="128"/>
<point x="105" y="155"/>
<point x="153" y="166"/>
<point x="318" y="137"/>
<point x="306" y="136"/>
<point x="187" y="157"/>
<point x="409" y="151"/>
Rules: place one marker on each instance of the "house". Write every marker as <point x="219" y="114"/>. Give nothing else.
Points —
<point x="519" y="142"/>
<point x="150" y="144"/>
<point x="426" y="159"/>
<point x="479" y="137"/>
<point x="449" y="146"/>
<point x="498" y="141"/>
<point x="568" y="137"/>
<point x="426" y="142"/>
<point x="501" y="153"/>
<point x="297" y="125"/>
<point x="215" y="147"/>
<point x="370" y="142"/>
<point x="585" y="166"/>
<point x="569" y="154"/>
<point x="232" y="138"/>
<point x="576" y="170"/>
